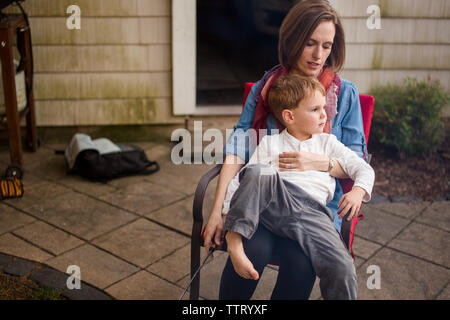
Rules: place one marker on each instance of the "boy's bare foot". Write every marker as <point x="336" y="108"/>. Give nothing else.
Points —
<point x="242" y="265"/>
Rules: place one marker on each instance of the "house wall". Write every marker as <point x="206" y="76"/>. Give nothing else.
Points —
<point x="413" y="41"/>
<point x="115" y="70"/>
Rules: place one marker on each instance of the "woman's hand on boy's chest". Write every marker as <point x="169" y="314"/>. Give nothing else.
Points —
<point x="302" y="161"/>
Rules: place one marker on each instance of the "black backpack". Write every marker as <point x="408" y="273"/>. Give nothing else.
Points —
<point x="89" y="162"/>
<point x="130" y="160"/>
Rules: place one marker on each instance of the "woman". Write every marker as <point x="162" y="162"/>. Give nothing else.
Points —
<point x="311" y="43"/>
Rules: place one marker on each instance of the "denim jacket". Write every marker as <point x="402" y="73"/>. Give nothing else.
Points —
<point x="347" y="126"/>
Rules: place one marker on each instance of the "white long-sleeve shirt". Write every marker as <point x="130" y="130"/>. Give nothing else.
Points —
<point x="318" y="184"/>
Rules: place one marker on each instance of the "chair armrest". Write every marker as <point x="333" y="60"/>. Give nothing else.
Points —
<point x="201" y="190"/>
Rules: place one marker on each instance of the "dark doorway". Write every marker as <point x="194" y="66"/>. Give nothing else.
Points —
<point x="236" y="42"/>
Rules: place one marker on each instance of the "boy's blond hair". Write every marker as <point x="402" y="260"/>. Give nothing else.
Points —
<point x="287" y="92"/>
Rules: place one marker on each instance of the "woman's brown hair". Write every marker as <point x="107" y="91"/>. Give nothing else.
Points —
<point x="297" y="28"/>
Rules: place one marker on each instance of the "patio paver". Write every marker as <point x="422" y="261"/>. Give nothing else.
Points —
<point x="378" y="226"/>
<point x="96" y="266"/>
<point x="141" y="242"/>
<point x="81" y="215"/>
<point x="15" y="246"/>
<point x="403" y="277"/>
<point x="130" y="236"/>
<point x="48" y="237"/>
<point x="142" y="285"/>
<point x="179" y="214"/>
<point x="425" y="242"/>
<point x="437" y="215"/>
<point x="364" y="248"/>
<point x="39" y="195"/>
<point x="445" y="294"/>
<point x="11" y="219"/>
<point x="143" y="197"/>
<point x="177" y="265"/>
<point x="405" y="210"/>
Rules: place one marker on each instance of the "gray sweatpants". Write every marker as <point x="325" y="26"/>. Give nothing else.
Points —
<point x="286" y="210"/>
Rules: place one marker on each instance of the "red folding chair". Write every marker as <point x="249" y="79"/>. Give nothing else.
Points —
<point x="347" y="227"/>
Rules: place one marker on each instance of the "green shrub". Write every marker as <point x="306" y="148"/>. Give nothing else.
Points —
<point x="406" y="117"/>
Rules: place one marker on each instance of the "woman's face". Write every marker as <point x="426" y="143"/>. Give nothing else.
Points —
<point x="317" y="49"/>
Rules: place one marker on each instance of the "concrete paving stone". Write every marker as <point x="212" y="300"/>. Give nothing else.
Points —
<point x="265" y="285"/>
<point x="143" y="197"/>
<point x="145" y="145"/>
<point x="378" y="198"/>
<point x="50" y="278"/>
<point x="38" y="195"/>
<point x="4" y="260"/>
<point x="404" y="199"/>
<point x="4" y="161"/>
<point x="56" y="146"/>
<point x="209" y="278"/>
<point x="358" y="262"/>
<point x="85" y="186"/>
<point x="125" y="182"/>
<point x="178" y="264"/>
<point x="179" y="215"/>
<point x="158" y="151"/>
<point x="364" y="248"/>
<point x="315" y="293"/>
<point x="175" y="266"/>
<point x="144" y="286"/>
<point x="141" y="242"/>
<point x="97" y="267"/>
<point x="19" y="267"/>
<point x="425" y="242"/>
<point x="408" y="210"/>
<point x="402" y="277"/>
<point x="188" y="171"/>
<point x="445" y="294"/>
<point x="11" y="218"/>
<point x="80" y="215"/>
<point x="378" y="226"/>
<point x="86" y="292"/>
<point x="211" y="274"/>
<point x="12" y="245"/>
<point x="30" y="181"/>
<point x="48" y="237"/>
<point x="437" y="215"/>
<point x="178" y="183"/>
<point x="192" y="167"/>
<point x="30" y="159"/>
<point x="45" y="164"/>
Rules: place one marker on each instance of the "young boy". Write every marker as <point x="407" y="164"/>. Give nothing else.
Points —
<point x="292" y="203"/>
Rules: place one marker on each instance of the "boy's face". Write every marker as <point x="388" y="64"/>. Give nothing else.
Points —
<point x="309" y="117"/>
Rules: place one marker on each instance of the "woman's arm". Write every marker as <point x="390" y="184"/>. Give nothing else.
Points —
<point x="214" y="226"/>
<point x="303" y="161"/>
<point x="236" y="152"/>
<point x="337" y="171"/>
<point x="236" y="143"/>
<point x="352" y="129"/>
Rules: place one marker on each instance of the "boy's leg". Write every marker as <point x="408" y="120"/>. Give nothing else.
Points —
<point x="305" y="220"/>
<point x="257" y="186"/>
<point x="296" y="276"/>
<point x="242" y="265"/>
<point x="256" y="190"/>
